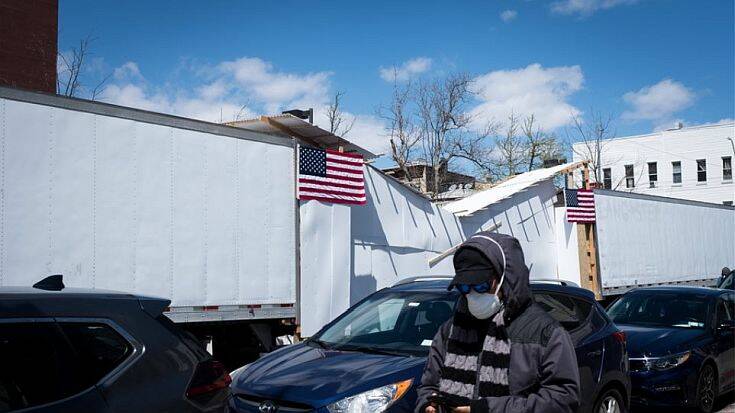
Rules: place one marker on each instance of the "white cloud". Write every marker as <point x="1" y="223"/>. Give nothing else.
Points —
<point x="508" y="15"/>
<point x="585" y="8"/>
<point x="263" y="83"/>
<point x="658" y="102"/>
<point x="405" y="71"/>
<point x="242" y="88"/>
<point x="129" y="70"/>
<point x="534" y="89"/>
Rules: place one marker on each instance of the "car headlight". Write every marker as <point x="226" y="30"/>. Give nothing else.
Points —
<point x="669" y="362"/>
<point x="371" y="401"/>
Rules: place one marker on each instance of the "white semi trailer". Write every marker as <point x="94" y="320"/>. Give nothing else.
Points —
<point x="641" y="240"/>
<point x="122" y="199"/>
<point x="645" y="240"/>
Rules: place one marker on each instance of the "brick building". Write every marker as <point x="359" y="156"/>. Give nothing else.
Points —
<point x="28" y="44"/>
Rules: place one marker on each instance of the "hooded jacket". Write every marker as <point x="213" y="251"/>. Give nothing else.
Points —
<point x="543" y="374"/>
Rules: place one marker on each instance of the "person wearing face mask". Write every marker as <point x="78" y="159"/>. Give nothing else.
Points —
<point x="500" y="352"/>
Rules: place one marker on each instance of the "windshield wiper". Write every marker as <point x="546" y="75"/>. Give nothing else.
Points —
<point x="319" y="343"/>
<point x="372" y="350"/>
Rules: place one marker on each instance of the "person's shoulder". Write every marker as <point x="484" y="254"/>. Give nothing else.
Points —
<point x="444" y="328"/>
<point x="532" y="326"/>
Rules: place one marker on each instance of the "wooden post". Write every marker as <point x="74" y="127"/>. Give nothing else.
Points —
<point x="587" y="249"/>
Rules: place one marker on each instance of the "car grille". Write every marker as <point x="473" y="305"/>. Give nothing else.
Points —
<point x="283" y="405"/>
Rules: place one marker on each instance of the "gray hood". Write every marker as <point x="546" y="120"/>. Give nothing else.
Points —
<point x="506" y="255"/>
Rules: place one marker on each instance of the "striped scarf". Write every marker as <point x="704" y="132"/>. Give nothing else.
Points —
<point x="478" y="353"/>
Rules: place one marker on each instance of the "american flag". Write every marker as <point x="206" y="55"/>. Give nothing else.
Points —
<point x="580" y="205"/>
<point x="331" y="176"/>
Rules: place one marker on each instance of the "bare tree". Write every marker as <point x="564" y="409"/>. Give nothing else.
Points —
<point x="593" y="133"/>
<point x="539" y="145"/>
<point x="339" y="124"/>
<point x="443" y="122"/>
<point x="71" y="68"/>
<point x="511" y="148"/>
<point x="431" y="117"/>
<point x="401" y="128"/>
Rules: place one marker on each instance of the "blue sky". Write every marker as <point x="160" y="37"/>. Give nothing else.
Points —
<point x="648" y="62"/>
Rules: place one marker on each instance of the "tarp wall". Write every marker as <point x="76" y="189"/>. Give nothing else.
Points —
<point x="567" y="247"/>
<point x="395" y="235"/>
<point x="528" y="216"/>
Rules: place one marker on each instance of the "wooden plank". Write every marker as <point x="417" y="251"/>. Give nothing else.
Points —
<point x="594" y="270"/>
<point x="450" y="251"/>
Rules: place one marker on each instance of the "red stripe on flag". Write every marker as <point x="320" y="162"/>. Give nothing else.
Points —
<point x="328" y="199"/>
<point x="343" y="161"/>
<point x="348" y="170"/>
<point x="344" y="178"/>
<point x="326" y="183"/>
<point x="333" y="192"/>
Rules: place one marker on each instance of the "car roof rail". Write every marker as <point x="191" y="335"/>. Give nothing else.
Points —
<point x="563" y="283"/>
<point x="422" y="278"/>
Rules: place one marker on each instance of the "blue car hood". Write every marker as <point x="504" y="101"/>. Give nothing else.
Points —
<point x="660" y="341"/>
<point x="317" y="377"/>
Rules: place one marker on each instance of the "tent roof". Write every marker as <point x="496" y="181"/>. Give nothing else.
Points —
<point x="290" y="125"/>
<point x="506" y="189"/>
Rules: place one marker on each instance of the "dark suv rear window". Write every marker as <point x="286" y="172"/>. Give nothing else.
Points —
<point x="570" y="312"/>
<point x="99" y="346"/>
<point x="37" y="366"/>
<point x="186" y="337"/>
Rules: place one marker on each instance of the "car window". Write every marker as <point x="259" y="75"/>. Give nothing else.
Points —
<point x="661" y="309"/>
<point x="728" y="282"/>
<point x="37" y="366"/>
<point x="599" y="319"/>
<point x="570" y="312"/>
<point x="725" y="310"/>
<point x="191" y="342"/>
<point x="404" y="322"/>
<point x="99" y="346"/>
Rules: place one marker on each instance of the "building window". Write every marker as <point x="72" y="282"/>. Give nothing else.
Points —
<point x="607" y="178"/>
<point x="701" y="170"/>
<point x="629" y="179"/>
<point x="652" y="174"/>
<point x="727" y="168"/>
<point x="676" y="169"/>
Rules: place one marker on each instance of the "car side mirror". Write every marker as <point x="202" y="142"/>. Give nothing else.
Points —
<point x="726" y="326"/>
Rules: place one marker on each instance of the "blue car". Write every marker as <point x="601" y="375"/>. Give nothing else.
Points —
<point x="370" y="359"/>
<point x="680" y="342"/>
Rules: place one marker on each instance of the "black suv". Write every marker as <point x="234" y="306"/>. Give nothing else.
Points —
<point x="73" y="350"/>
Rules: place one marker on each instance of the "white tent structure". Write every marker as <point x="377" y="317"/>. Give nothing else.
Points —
<point x="480" y="200"/>
<point x="399" y="231"/>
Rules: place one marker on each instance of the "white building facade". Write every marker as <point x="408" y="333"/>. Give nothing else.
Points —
<point x="693" y="163"/>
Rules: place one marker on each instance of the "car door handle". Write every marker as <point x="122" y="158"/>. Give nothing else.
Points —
<point x="594" y="353"/>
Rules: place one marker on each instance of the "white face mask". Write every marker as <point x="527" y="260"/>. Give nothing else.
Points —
<point x="484" y="305"/>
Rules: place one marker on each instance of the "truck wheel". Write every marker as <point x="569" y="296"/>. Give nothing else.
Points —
<point x="610" y="402"/>
<point x="706" y="389"/>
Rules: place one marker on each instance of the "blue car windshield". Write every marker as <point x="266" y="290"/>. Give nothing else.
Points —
<point x="660" y="309"/>
<point x="400" y="323"/>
